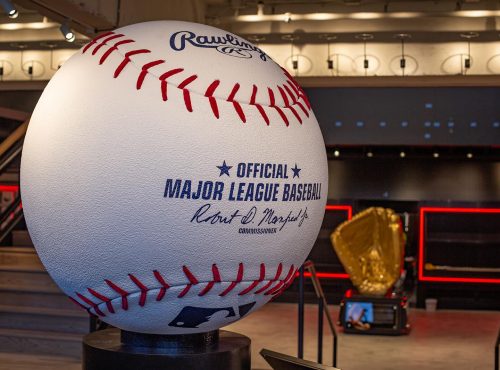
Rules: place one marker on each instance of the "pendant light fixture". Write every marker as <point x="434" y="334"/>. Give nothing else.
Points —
<point x="365" y="37"/>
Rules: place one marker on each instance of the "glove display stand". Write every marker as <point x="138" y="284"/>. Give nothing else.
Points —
<point x="114" y="349"/>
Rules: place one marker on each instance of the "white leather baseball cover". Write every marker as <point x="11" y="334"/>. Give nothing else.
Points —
<point x="173" y="178"/>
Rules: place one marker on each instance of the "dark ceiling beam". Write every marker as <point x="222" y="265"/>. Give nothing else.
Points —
<point x="13" y="114"/>
<point x="65" y="11"/>
<point x="23" y="85"/>
<point x="398" y="81"/>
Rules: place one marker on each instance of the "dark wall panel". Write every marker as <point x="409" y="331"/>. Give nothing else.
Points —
<point x="414" y="179"/>
<point x="408" y="116"/>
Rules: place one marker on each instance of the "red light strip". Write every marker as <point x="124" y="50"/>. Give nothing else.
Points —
<point x="348" y="209"/>
<point x="11" y="188"/>
<point x="421" y="243"/>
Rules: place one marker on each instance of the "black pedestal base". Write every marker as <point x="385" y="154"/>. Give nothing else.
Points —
<point x="112" y="349"/>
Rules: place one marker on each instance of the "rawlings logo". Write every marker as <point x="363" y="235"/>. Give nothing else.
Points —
<point x="228" y="44"/>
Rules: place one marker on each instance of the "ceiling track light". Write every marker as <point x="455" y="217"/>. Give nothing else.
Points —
<point x="295" y="62"/>
<point x="402" y="61"/>
<point x="9" y="8"/>
<point x="365" y="37"/>
<point x="468" y="36"/>
<point x="329" y="38"/>
<point x="67" y="32"/>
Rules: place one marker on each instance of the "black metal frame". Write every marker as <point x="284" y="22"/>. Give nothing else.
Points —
<point x="497" y="350"/>
<point x="322" y="310"/>
<point x="13" y="214"/>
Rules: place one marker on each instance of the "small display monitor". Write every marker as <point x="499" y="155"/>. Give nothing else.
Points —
<point x="359" y="312"/>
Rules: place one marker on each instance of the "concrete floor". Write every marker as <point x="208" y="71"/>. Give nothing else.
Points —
<point x="443" y="340"/>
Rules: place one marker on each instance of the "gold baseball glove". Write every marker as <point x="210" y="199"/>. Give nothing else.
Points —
<point x="370" y="247"/>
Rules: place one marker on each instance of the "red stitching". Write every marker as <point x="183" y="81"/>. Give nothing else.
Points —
<point x="144" y="72"/>
<point x="239" y="278"/>
<point x="163" y="79"/>
<point x="91" y="304"/>
<point x="103" y="42"/>
<point x="185" y="92"/>
<point x="236" y="105"/>
<point x="274" y="287"/>
<point x="270" y="282"/>
<point x="192" y="281"/>
<point x="213" y="102"/>
<point x="209" y="286"/>
<point x="113" y="48"/>
<point x="126" y="60"/>
<point x="103" y="298"/>
<point x="281" y="283"/>
<point x="272" y="104"/>
<point x="121" y="292"/>
<point x="287" y="104"/>
<point x="164" y="285"/>
<point x="144" y="289"/>
<point x="291" y="87"/>
<point x="255" y="282"/>
<point x="94" y="41"/>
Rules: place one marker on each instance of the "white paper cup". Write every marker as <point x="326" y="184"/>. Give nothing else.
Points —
<point x="431" y="304"/>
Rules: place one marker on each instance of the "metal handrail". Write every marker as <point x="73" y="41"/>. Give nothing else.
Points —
<point x="11" y="209"/>
<point x="10" y="149"/>
<point x="7" y="229"/>
<point x="322" y="310"/>
<point x="15" y="137"/>
<point x="497" y="349"/>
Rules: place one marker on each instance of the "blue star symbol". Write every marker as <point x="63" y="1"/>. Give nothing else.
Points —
<point x="224" y="169"/>
<point x="296" y="171"/>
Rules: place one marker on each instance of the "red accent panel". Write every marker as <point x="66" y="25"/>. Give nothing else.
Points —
<point x="348" y="209"/>
<point x="421" y="244"/>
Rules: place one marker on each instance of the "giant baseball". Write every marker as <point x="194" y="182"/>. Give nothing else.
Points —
<point x="173" y="178"/>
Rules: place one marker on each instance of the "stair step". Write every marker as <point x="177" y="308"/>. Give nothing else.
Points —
<point x="20" y="258"/>
<point x="74" y="312"/>
<point x="34" y="281"/>
<point x="21" y="238"/>
<point x="10" y="286"/>
<point x="30" y="361"/>
<point x="36" y="299"/>
<point x="44" y="319"/>
<point x="42" y="342"/>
